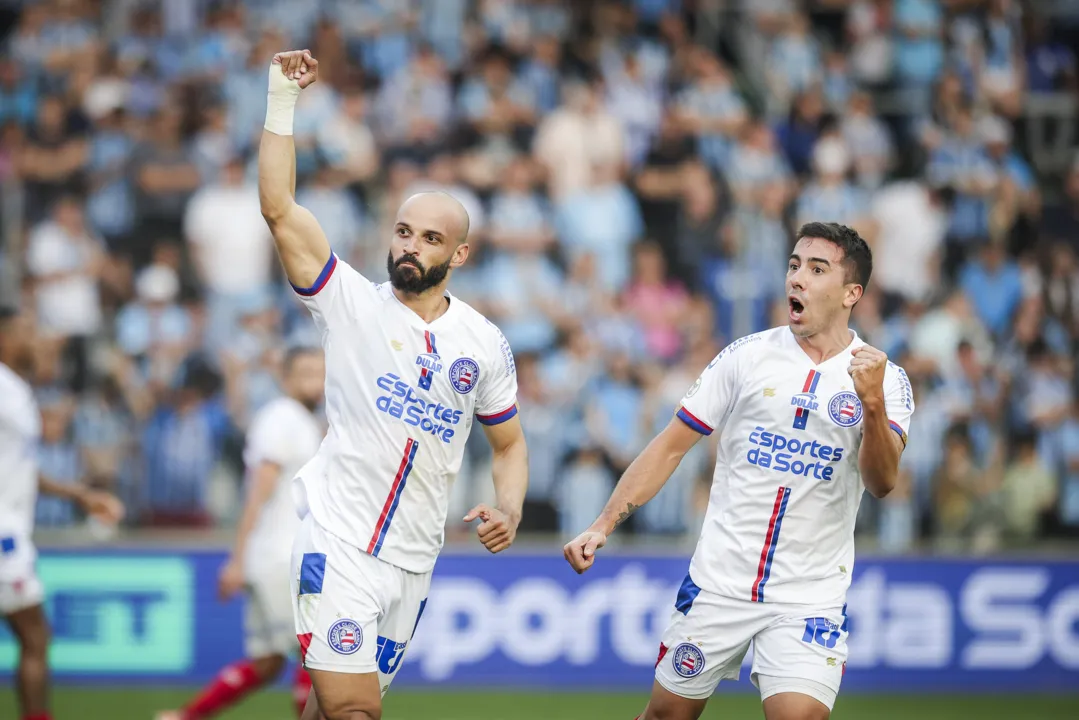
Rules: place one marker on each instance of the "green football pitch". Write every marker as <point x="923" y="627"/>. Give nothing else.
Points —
<point x="141" y="704"/>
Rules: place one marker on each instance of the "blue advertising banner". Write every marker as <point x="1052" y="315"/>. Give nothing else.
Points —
<point x="527" y="621"/>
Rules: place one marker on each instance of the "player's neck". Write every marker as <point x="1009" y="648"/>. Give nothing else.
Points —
<point x="825" y="345"/>
<point x="430" y="305"/>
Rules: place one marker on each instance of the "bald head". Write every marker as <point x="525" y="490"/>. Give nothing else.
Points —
<point x="436" y="211"/>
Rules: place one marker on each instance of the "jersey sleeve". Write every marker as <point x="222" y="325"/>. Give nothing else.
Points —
<point x="268" y="440"/>
<point x="898" y="400"/>
<point x="707" y="404"/>
<point x="340" y="293"/>
<point x="497" y="401"/>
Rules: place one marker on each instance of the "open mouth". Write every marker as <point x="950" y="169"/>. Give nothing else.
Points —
<point x="795" y="308"/>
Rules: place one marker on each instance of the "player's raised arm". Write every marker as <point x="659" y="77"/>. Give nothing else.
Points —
<point x="301" y="244"/>
<point x="644" y="477"/>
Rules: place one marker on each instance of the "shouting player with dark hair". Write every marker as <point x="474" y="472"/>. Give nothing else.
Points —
<point x="808" y="417"/>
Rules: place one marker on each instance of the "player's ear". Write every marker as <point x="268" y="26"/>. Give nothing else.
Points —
<point x="854" y="294"/>
<point x="460" y="254"/>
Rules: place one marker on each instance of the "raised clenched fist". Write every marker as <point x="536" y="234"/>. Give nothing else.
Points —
<point x="297" y="66"/>
<point x="866" y="369"/>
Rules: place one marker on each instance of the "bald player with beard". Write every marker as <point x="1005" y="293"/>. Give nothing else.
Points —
<point x="408" y="369"/>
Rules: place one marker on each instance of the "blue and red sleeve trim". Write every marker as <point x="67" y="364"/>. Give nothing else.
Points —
<point x="321" y="280"/>
<point x="498" y="418"/>
<point x="694" y="422"/>
<point x="899" y="430"/>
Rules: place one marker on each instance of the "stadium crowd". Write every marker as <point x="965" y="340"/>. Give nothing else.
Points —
<point x="634" y="172"/>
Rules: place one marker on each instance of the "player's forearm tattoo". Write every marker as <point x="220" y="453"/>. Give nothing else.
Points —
<point x="624" y="515"/>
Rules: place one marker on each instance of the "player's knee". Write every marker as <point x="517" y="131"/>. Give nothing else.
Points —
<point x="798" y="704"/>
<point x="353" y="714"/>
<point x="32" y="631"/>
<point x="665" y="705"/>
<point x="355" y="708"/>
<point x="269" y="667"/>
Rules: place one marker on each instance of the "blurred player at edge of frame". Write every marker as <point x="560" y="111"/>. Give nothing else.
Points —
<point x="408" y="367"/>
<point x="283" y="436"/>
<point x="808" y="416"/>
<point x="22" y="596"/>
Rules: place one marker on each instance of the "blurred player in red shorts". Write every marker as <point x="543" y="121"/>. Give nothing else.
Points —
<point x="283" y="436"/>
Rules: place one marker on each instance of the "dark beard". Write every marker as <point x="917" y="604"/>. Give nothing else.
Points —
<point x="418" y="281"/>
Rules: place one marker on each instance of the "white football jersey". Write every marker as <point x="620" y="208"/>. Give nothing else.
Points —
<point x="287" y="434"/>
<point x="786" y="490"/>
<point x="20" y="431"/>
<point x="400" y="398"/>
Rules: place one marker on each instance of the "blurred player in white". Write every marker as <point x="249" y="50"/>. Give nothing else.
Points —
<point x="283" y="436"/>
<point x="22" y="596"/>
<point x="808" y="416"/>
<point x="408" y="368"/>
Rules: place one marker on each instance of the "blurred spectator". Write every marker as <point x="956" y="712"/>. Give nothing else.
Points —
<point x="181" y="445"/>
<point x="967" y="514"/>
<point x="153" y="329"/>
<point x="1069" y="492"/>
<point x="1060" y="224"/>
<point x="829" y="194"/>
<point x="868" y="140"/>
<point x="911" y="220"/>
<point x="1029" y="490"/>
<point x="869" y="27"/>
<point x="67" y="263"/>
<point x="1050" y="63"/>
<point x="54" y="158"/>
<point x="800" y="132"/>
<point x="18" y="98"/>
<point x="794" y="63"/>
<point x="919" y="48"/>
<point x="166" y="176"/>
<point x="110" y="203"/>
<point x="961" y="163"/>
<point x="755" y="165"/>
<point x="338" y="212"/>
<point x="346" y="141"/>
<point x="712" y="109"/>
<point x="662" y="179"/>
<point x="994" y="287"/>
<point x="602" y="219"/>
<point x="415" y="105"/>
<point x="57" y="456"/>
<point x="578" y="139"/>
<point x="656" y="301"/>
<point x="230" y="247"/>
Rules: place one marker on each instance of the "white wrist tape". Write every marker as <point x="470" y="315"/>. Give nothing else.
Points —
<point x="280" y="102"/>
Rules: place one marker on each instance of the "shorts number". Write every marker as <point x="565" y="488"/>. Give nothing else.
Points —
<point x="822" y="631"/>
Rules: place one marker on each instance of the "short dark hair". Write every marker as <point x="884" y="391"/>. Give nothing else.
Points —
<point x="857" y="257"/>
<point x="295" y="353"/>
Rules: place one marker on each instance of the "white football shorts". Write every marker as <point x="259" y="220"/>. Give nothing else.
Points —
<point x="353" y="612"/>
<point x="796" y="648"/>
<point x="20" y="587"/>
<point x="269" y="628"/>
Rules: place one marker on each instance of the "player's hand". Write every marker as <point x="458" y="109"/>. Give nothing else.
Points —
<point x="103" y="506"/>
<point x="580" y="552"/>
<point x="866" y="369"/>
<point x="497" y="530"/>
<point x="298" y="65"/>
<point x="230" y="580"/>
